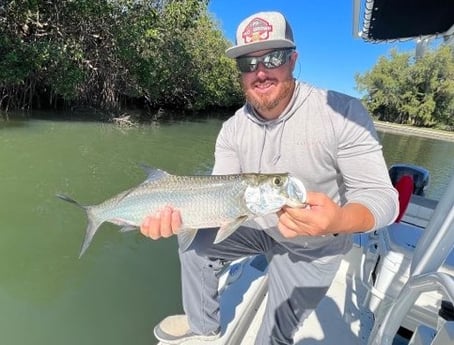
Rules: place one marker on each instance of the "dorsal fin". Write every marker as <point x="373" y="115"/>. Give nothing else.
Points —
<point x="153" y="174"/>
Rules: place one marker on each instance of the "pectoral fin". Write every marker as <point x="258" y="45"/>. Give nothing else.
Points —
<point x="127" y="228"/>
<point x="227" y="229"/>
<point x="185" y="238"/>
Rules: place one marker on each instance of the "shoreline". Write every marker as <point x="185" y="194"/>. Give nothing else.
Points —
<point x="387" y="127"/>
<point x="414" y="131"/>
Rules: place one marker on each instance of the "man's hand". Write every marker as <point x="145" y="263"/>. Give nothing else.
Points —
<point x="322" y="217"/>
<point x="165" y="224"/>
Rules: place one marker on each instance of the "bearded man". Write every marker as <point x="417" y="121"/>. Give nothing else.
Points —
<point x="324" y="138"/>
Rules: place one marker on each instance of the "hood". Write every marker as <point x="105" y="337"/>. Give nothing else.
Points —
<point x="273" y="129"/>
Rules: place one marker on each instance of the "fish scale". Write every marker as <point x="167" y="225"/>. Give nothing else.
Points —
<point x="190" y="194"/>
<point x="224" y="201"/>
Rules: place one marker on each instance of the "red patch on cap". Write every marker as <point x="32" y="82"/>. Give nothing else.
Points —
<point x="258" y="29"/>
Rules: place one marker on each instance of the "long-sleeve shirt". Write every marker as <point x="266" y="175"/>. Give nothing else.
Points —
<point x="324" y="138"/>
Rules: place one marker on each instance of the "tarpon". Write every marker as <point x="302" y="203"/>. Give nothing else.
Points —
<point x="224" y="201"/>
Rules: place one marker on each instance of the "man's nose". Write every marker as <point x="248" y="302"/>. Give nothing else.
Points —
<point x="261" y="70"/>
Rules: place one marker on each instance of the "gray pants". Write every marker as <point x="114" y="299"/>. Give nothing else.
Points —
<point x="296" y="283"/>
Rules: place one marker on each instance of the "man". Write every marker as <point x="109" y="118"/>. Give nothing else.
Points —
<point x="326" y="139"/>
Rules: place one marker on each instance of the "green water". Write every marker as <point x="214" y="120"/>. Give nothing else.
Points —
<point x="435" y="155"/>
<point x="125" y="283"/>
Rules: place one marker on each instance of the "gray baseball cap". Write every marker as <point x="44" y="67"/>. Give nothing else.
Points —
<point x="262" y="31"/>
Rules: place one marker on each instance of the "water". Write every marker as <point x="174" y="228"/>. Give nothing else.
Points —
<point x="125" y="283"/>
<point x="435" y="155"/>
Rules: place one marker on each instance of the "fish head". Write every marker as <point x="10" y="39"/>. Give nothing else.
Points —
<point x="268" y="193"/>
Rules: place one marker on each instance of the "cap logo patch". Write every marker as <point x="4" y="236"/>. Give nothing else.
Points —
<point x="258" y="29"/>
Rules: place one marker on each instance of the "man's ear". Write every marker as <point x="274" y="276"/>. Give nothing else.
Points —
<point x="293" y="58"/>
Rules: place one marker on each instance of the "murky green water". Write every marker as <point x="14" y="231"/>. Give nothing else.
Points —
<point x="435" y="155"/>
<point x="125" y="283"/>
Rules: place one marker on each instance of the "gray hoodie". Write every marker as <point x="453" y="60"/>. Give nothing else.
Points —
<point x="325" y="138"/>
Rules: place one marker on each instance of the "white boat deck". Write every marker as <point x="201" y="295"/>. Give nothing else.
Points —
<point x="339" y="318"/>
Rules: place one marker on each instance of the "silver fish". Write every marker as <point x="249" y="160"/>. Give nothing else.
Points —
<point x="224" y="201"/>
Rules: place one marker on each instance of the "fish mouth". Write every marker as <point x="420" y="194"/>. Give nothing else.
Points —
<point x="297" y="194"/>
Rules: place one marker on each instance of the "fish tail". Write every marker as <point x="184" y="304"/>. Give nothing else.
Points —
<point x="69" y="199"/>
<point x="92" y="226"/>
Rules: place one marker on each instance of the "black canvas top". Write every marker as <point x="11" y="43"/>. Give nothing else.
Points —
<point x="400" y="19"/>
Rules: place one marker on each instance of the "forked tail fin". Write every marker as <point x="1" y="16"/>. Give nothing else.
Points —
<point x="92" y="226"/>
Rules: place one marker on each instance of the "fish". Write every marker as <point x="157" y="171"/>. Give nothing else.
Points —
<point x="204" y="201"/>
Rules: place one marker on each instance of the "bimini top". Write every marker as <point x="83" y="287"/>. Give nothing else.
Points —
<point x="387" y="20"/>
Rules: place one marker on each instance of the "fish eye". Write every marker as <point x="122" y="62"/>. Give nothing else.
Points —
<point x="278" y="181"/>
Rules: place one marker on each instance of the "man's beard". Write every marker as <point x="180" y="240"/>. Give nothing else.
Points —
<point x="263" y="102"/>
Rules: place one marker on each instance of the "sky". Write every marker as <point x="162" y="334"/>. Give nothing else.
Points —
<point x="329" y="56"/>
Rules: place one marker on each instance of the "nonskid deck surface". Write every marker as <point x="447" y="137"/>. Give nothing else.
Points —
<point x="339" y="318"/>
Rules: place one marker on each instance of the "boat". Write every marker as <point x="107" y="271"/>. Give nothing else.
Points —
<point x="396" y="285"/>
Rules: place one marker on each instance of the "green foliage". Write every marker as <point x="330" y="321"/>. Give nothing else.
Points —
<point x="106" y="54"/>
<point x="16" y="63"/>
<point x="412" y="91"/>
<point x="183" y="65"/>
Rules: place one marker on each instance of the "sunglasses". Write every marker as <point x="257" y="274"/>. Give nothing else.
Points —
<point x="270" y="60"/>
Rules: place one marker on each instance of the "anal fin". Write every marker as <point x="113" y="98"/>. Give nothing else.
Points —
<point x="185" y="238"/>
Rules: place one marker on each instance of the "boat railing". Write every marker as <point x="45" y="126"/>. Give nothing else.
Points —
<point x="437" y="240"/>
<point x="385" y="330"/>
<point x="432" y="250"/>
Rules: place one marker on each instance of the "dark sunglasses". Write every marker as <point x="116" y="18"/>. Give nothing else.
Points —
<point x="270" y="60"/>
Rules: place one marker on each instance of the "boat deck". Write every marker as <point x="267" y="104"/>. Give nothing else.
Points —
<point x="339" y="317"/>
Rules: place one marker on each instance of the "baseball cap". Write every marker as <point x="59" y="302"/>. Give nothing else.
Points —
<point x="262" y="31"/>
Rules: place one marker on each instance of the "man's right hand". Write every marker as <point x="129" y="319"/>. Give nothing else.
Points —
<point x="164" y="224"/>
